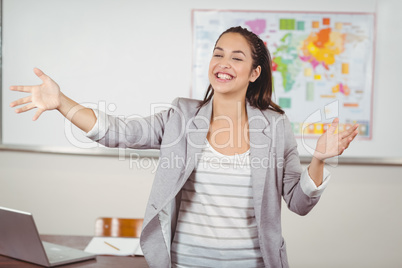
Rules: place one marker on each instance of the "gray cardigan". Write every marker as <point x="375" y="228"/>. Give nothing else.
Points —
<point x="180" y="132"/>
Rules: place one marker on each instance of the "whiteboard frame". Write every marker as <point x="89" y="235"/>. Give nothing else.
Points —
<point x="1" y="72"/>
<point x="109" y="152"/>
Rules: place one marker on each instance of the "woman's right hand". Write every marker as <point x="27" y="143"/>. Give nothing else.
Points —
<point x="44" y="97"/>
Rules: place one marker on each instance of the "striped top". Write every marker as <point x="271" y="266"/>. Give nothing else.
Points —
<point x="216" y="224"/>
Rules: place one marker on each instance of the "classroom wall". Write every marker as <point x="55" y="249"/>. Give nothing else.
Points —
<point x="357" y="222"/>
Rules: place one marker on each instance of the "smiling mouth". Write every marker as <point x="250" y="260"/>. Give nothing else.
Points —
<point x="224" y="76"/>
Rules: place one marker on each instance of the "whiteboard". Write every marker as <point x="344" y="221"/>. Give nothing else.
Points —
<point x="133" y="57"/>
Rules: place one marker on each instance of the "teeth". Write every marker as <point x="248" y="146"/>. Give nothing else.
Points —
<point x="224" y="76"/>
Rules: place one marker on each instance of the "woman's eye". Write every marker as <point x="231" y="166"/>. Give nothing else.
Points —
<point x="217" y="56"/>
<point x="237" y="59"/>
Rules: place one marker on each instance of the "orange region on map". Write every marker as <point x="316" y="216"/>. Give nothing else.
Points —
<point x="338" y="25"/>
<point x="309" y="129"/>
<point x="320" y="128"/>
<point x="350" y="105"/>
<point x="328" y="96"/>
<point x="345" y="68"/>
<point x="314" y="128"/>
<point x="342" y="88"/>
<point x="322" y="38"/>
<point x="321" y="47"/>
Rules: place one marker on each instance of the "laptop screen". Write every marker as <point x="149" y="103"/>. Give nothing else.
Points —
<point x="19" y="237"/>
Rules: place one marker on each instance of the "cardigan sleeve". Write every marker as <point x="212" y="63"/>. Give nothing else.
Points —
<point x="131" y="132"/>
<point x="297" y="190"/>
<point x="308" y="186"/>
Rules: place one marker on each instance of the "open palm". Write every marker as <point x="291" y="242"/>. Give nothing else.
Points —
<point x="43" y="97"/>
<point x="331" y="143"/>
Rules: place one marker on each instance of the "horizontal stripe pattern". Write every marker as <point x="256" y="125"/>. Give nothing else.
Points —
<point x="216" y="225"/>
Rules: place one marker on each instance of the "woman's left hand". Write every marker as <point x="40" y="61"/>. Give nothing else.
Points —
<point x="331" y="143"/>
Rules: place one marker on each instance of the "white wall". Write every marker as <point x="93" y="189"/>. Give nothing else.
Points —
<point x="357" y="222"/>
<point x="127" y="56"/>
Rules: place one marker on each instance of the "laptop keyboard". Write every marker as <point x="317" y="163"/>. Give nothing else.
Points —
<point x="57" y="253"/>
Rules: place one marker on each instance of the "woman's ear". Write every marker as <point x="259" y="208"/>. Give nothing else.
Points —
<point x="255" y="73"/>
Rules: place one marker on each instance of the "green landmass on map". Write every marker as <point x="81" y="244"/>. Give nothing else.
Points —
<point x="287" y="60"/>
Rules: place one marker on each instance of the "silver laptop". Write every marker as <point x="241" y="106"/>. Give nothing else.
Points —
<point x="20" y="239"/>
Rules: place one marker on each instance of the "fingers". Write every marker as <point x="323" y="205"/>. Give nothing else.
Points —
<point x="40" y="74"/>
<point x="25" y="108"/>
<point x="349" y="131"/>
<point x="37" y="114"/>
<point x="27" y="89"/>
<point x="21" y="101"/>
<point x="334" y="125"/>
<point x="335" y="121"/>
<point x="348" y="139"/>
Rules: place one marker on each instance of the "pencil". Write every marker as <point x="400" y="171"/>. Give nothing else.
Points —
<point x="111" y="246"/>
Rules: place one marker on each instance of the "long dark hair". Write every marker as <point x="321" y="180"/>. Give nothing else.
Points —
<point x="259" y="92"/>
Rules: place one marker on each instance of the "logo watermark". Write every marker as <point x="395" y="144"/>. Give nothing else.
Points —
<point x="141" y="132"/>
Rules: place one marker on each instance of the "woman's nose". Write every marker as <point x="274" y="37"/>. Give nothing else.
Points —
<point x="224" y="64"/>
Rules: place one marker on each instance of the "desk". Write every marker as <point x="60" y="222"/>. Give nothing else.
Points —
<point x="79" y="242"/>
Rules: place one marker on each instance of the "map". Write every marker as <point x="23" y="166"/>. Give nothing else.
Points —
<point x="322" y="63"/>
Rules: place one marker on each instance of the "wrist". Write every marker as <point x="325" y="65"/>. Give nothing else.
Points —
<point x="63" y="102"/>
<point x="65" y="105"/>
<point x="319" y="158"/>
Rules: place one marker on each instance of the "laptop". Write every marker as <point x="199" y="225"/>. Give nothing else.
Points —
<point x="20" y="239"/>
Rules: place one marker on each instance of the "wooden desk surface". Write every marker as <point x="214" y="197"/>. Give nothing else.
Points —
<point x="79" y="242"/>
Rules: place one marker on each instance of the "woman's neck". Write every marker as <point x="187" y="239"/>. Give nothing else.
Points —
<point x="228" y="131"/>
<point x="232" y="109"/>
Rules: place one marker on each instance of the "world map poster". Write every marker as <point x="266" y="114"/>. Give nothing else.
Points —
<point x="322" y="63"/>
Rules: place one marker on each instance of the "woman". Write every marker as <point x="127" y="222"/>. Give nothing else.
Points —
<point x="219" y="204"/>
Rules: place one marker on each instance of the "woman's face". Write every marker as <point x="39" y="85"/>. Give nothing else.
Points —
<point x="230" y="67"/>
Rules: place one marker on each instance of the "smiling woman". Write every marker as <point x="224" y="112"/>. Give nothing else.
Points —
<point x="218" y="204"/>
<point x="230" y="69"/>
<point x="254" y="52"/>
